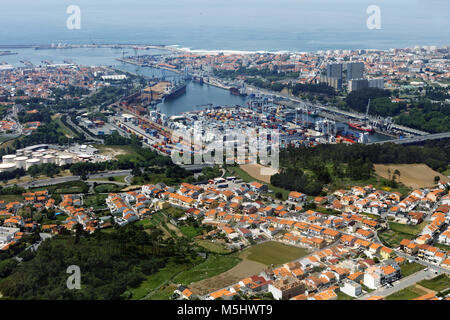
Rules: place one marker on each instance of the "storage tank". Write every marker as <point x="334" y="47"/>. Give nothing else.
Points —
<point x="37" y="155"/>
<point x="7" y="167"/>
<point x="9" y="158"/>
<point x="63" y="160"/>
<point x="32" y="162"/>
<point x="49" y="159"/>
<point x="20" y="162"/>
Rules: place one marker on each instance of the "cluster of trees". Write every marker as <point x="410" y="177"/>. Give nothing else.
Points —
<point x="321" y="88"/>
<point x="73" y="91"/>
<point x="47" y="133"/>
<point x="43" y="115"/>
<point x="15" y="174"/>
<point x="104" y="96"/>
<point x="110" y="264"/>
<point x="48" y="169"/>
<point x="115" y="139"/>
<point x="358" y="100"/>
<point x="295" y="179"/>
<point x="427" y="116"/>
<point x="327" y="163"/>
<point x="12" y="190"/>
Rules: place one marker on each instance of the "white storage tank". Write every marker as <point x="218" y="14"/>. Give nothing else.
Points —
<point x="9" y="158"/>
<point x="49" y="159"/>
<point x="63" y="160"/>
<point x="32" y="162"/>
<point x="37" y="155"/>
<point x="20" y="162"/>
<point x="7" y="167"/>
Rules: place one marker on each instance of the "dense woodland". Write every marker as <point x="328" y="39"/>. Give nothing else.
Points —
<point x="110" y="263"/>
<point x="309" y="169"/>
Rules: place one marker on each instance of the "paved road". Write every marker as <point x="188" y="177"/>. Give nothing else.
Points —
<point x="57" y="180"/>
<point x="401" y="284"/>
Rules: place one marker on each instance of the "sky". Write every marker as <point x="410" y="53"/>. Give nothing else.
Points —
<point x="231" y="24"/>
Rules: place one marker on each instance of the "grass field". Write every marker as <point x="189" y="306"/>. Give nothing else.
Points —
<point x="409" y="293"/>
<point x="63" y="129"/>
<point x="95" y="201"/>
<point x="190" y="231"/>
<point x="272" y="252"/>
<point x="216" y="247"/>
<point x="407" y="269"/>
<point x="398" y="232"/>
<point x="412" y="175"/>
<point x="408" y="229"/>
<point x="439" y="283"/>
<point x="107" y="188"/>
<point x="152" y="283"/>
<point x="214" y="265"/>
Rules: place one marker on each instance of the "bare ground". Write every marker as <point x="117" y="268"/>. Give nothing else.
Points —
<point x="259" y="172"/>
<point x="412" y="175"/>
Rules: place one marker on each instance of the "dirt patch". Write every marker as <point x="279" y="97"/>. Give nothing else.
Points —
<point x="244" y="269"/>
<point x="259" y="172"/>
<point x="418" y="286"/>
<point x="412" y="175"/>
<point x="175" y="229"/>
<point x="112" y="153"/>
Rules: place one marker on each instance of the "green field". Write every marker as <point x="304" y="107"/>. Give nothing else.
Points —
<point x="154" y="281"/>
<point x="408" y="229"/>
<point x="214" y="265"/>
<point x="95" y="201"/>
<point x="397" y="232"/>
<point x="275" y="253"/>
<point x="409" y="293"/>
<point x="439" y="283"/>
<point x="407" y="269"/>
<point x="63" y="129"/>
<point x="215" y="247"/>
<point x="107" y="188"/>
<point x="392" y="239"/>
<point x="190" y="231"/>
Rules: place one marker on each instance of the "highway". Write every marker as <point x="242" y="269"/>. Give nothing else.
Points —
<point x="435" y="136"/>
<point x="57" y="180"/>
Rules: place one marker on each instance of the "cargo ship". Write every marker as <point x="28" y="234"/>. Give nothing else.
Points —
<point x="237" y="92"/>
<point x="175" y="91"/>
<point x="365" y="128"/>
